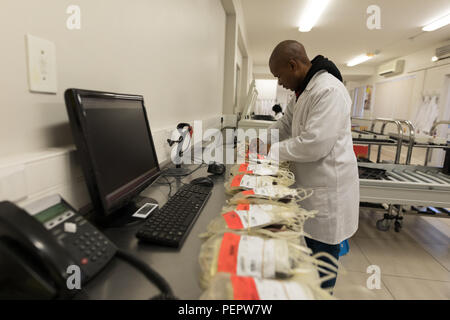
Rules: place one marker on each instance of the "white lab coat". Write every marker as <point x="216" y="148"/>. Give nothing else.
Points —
<point x="315" y="136"/>
<point x="278" y="116"/>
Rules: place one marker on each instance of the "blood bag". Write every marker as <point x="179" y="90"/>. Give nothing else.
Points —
<point x="257" y="256"/>
<point x="225" y="286"/>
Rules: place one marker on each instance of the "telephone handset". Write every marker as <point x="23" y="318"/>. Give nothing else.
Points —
<point x="40" y="242"/>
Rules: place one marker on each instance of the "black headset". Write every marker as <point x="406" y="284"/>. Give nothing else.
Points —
<point x="180" y="128"/>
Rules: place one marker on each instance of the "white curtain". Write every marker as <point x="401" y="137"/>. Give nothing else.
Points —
<point x="426" y="115"/>
<point x="264" y="106"/>
<point x="358" y="98"/>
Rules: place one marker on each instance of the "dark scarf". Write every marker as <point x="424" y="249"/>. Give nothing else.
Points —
<point x="319" y="63"/>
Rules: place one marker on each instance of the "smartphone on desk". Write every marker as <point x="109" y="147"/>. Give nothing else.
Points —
<point x="44" y="245"/>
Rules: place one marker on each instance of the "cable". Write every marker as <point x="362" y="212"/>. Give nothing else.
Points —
<point x="150" y="274"/>
<point x="170" y="186"/>
<point x="177" y="179"/>
<point x="168" y="182"/>
<point x="189" y="145"/>
<point x="201" y="165"/>
<point x="186" y="174"/>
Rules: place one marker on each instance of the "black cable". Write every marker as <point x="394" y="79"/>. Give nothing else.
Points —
<point x="201" y="165"/>
<point x="170" y="186"/>
<point x="189" y="145"/>
<point x="186" y="174"/>
<point x="168" y="182"/>
<point x="150" y="274"/>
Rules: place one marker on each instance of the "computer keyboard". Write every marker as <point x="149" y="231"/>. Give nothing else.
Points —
<point x="170" y="225"/>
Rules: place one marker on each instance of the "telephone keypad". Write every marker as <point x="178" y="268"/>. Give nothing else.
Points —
<point x="92" y="245"/>
<point x="93" y="249"/>
<point x="84" y="243"/>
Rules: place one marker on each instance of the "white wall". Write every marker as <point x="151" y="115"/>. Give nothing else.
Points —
<point x="421" y="77"/>
<point x="267" y="95"/>
<point x="393" y="98"/>
<point x="239" y="78"/>
<point x="235" y="41"/>
<point x="429" y="77"/>
<point x="267" y="89"/>
<point x="284" y="96"/>
<point x="171" y="52"/>
<point x="154" y="48"/>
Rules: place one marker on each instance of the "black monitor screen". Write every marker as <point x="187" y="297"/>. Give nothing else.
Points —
<point x="120" y="146"/>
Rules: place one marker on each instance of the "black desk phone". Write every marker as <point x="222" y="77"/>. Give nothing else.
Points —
<point x="40" y="242"/>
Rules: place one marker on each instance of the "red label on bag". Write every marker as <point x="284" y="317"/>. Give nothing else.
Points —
<point x="243" y="206"/>
<point x="228" y="253"/>
<point x="236" y="182"/>
<point x="243" y="167"/>
<point x="244" y="288"/>
<point x="248" y="193"/>
<point x="233" y="220"/>
<point x="261" y="157"/>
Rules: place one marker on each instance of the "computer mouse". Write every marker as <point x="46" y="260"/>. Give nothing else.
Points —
<point x="203" y="181"/>
<point x="216" y="168"/>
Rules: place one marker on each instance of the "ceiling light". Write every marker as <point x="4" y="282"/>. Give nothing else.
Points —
<point x="360" y="59"/>
<point x="434" y="59"/>
<point x="311" y="14"/>
<point x="442" y="22"/>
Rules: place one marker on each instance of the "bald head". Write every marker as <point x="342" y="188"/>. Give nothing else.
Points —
<point x="287" y="50"/>
<point x="290" y="64"/>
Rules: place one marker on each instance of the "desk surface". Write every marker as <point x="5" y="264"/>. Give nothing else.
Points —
<point x="179" y="267"/>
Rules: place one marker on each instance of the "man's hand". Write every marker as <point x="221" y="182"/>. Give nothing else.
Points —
<point x="259" y="147"/>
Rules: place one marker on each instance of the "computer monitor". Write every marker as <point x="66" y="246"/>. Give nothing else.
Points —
<point x="115" y="147"/>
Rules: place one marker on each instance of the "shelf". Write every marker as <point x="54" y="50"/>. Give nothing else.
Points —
<point x="374" y="142"/>
<point x="431" y="146"/>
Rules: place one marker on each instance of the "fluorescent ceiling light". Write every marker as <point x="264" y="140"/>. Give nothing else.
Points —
<point x="359" y="59"/>
<point x="311" y="14"/>
<point x="442" y="22"/>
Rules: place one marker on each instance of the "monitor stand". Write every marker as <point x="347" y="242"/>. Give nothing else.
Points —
<point x="124" y="216"/>
<point x="178" y="171"/>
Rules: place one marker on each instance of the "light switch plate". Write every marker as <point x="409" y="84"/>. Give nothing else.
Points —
<point x="41" y="55"/>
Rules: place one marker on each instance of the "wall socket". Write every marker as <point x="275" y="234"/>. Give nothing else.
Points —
<point x="41" y="56"/>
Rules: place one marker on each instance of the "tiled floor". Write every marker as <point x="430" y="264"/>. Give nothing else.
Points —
<point x="414" y="263"/>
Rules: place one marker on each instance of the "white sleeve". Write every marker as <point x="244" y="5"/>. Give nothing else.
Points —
<point x="326" y="120"/>
<point x="284" y="124"/>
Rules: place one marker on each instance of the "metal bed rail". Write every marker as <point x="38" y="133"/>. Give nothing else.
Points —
<point x="384" y="121"/>
<point x="411" y="141"/>
<point x="405" y="185"/>
<point x="432" y="132"/>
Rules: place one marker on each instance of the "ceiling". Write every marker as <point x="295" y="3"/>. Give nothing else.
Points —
<point x="341" y="32"/>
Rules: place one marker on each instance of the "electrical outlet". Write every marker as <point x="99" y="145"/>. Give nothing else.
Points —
<point x="41" y="55"/>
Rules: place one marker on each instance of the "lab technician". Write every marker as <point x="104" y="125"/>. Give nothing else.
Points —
<point x="277" y="111"/>
<point x="315" y="136"/>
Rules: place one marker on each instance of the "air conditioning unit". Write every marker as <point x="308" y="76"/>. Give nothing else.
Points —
<point x="392" y="68"/>
<point x="443" y="52"/>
